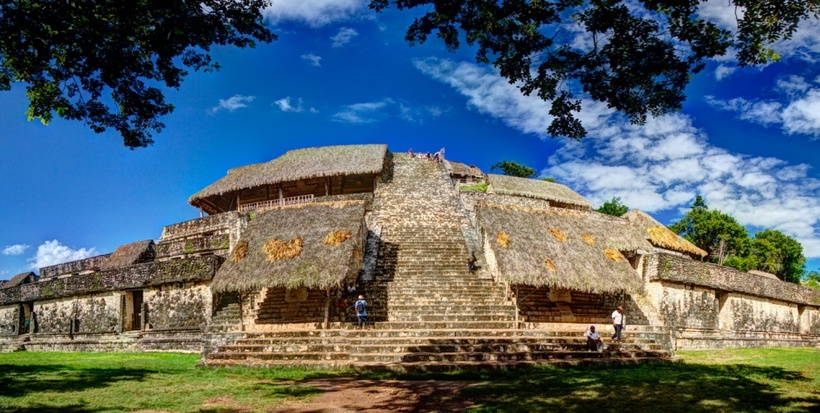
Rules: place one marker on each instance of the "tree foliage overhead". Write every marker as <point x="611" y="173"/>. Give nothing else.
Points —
<point x="613" y="207"/>
<point x="638" y="60"/>
<point x="511" y="168"/>
<point x="104" y="61"/>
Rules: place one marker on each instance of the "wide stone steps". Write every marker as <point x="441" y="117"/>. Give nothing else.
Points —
<point x="369" y="351"/>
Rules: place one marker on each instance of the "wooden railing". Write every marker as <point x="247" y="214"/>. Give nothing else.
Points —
<point x="273" y="203"/>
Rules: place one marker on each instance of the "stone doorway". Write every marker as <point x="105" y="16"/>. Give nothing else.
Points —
<point x="133" y="310"/>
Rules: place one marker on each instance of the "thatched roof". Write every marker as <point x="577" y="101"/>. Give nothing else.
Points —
<point x="461" y="169"/>
<point x="569" y="249"/>
<point x="313" y="245"/>
<point x="536" y="188"/>
<point x="22" y="278"/>
<point x="300" y="164"/>
<point x="661" y="236"/>
<point x="130" y="254"/>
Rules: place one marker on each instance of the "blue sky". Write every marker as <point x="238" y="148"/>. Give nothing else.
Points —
<point x="747" y="140"/>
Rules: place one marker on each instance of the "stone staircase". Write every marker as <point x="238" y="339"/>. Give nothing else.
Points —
<point x="428" y="312"/>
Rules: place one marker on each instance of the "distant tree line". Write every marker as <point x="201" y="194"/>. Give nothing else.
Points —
<point x="728" y="243"/>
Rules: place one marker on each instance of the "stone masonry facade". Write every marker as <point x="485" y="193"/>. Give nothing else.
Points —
<point x="165" y="302"/>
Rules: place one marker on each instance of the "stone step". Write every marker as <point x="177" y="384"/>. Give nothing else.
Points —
<point x="443" y="367"/>
<point x="502" y="356"/>
<point x="264" y="356"/>
<point x="433" y="318"/>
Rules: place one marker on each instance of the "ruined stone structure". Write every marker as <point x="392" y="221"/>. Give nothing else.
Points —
<point x="262" y="279"/>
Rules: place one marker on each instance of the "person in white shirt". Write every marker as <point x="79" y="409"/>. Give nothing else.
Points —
<point x="618" y="322"/>
<point x="594" y="342"/>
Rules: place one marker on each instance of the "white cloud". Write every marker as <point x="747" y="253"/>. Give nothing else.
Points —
<point x="723" y="71"/>
<point x="660" y="166"/>
<point x="344" y="36"/>
<point x="314" y="13"/>
<point x="53" y="252"/>
<point x="233" y="103"/>
<point x="372" y="112"/>
<point x="801" y="115"/>
<point x="419" y="114"/>
<point x="761" y="112"/>
<point x="285" y="105"/>
<point x="313" y="59"/>
<point x="368" y="112"/>
<point x="16" y="249"/>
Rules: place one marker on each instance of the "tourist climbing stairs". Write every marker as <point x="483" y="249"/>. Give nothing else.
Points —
<point x="427" y="310"/>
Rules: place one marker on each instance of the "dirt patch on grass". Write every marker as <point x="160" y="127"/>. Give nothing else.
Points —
<point x="348" y="394"/>
<point x="225" y="404"/>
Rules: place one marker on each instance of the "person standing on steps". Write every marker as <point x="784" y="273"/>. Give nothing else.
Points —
<point x="471" y="266"/>
<point x="361" y="312"/>
<point x="618" y="322"/>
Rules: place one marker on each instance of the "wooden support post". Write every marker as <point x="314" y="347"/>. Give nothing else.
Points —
<point x="328" y="299"/>
<point x="516" y="307"/>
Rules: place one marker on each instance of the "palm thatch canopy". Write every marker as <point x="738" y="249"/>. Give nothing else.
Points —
<point x="575" y="250"/>
<point x="461" y="169"/>
<point x="557" y="194"/>
<point x="312" y="246"/>
<point x="297" y="165"/>
<point x="661" y="236"/>
<point x="22" y="278"/>
<point x="130" y="254"/>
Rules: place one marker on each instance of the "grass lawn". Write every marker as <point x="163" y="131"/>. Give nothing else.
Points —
<point x="741" y="380"/>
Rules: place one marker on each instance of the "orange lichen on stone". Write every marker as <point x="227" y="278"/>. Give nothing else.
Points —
<point x="503" y="239"/>
<point x="550" y="264"/>
<point x="588" y="239"/>
<point x="613" y="255"/>
<point x="277" y="249"/>
<point x="558" y="234"/>
<point x="239" y="252"/>
<point x="336" y="237"/>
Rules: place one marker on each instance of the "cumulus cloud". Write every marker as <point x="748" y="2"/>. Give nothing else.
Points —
<point x="16" y="249"/>
<point x="344" y="36"/>
<point x="53" y="252"/>
<point x="233" y="103"/>
<point x="313" y="59"/>
<point x="800" y="114"/>
<point x="314" y="13"/>
<point x="285" y="105"/>
<point x="659" y="166"/>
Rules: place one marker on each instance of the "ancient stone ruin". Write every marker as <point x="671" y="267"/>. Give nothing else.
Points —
<point x="262" y="277"/>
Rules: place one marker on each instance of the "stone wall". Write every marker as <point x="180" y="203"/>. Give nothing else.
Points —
<point x="9" y="320"/>
<point x="74" y="267"/>
<point x="710" y="306"/>
<point x="545" y="305"/>
<point x="175" y="307"/>
<point x="684" y="306"/>
<point x="687" y="271"/>
<point x="291" y="306"/>
<point x="134" y="276"/>
<point x="86" y="314"/>
<point x="745" y="313"/>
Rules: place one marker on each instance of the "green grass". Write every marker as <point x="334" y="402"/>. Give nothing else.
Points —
<point x="121" y="382"/>
<point x="741" y="380"/>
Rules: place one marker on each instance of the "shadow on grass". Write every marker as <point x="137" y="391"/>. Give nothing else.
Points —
<point x="18" y="381"/>
<point x="645" y="388"/>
